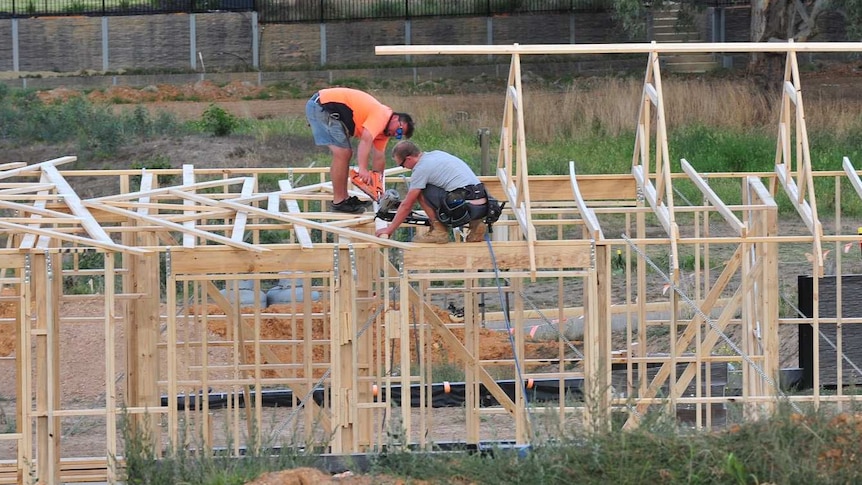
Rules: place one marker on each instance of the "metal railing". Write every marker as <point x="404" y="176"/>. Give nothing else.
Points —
<point x="55" y="8"/>
<point x="289" y="11"/>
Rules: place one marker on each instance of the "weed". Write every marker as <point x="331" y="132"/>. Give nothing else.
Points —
<point x="218" y="122"/>
<point x="735" y="469"/>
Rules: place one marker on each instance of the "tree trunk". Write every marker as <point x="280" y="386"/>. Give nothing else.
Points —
<point x="768" y="22"/>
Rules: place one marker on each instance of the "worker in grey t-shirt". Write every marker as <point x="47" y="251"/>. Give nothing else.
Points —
<point x="446" y="189"/>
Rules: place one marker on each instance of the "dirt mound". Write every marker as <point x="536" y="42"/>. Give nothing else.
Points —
<point x="492" y="344"/>
<point x="312" y="476"/>
<point x="8" y="309"/>
<point x="200" y="91"/>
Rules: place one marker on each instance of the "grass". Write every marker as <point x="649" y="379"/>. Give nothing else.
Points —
<point x="716" y="124"/>
<point x="817" y="447"/>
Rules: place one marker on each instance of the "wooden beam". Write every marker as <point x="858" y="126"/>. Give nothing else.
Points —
<point x="11" y="165"/>
<point x="852" y="176"/>
<point x="229" y="261"/>
<point x="166" y="190"/>
<point x="650" y="92"/>
<point x="735" y="224"/>
<point x="659" y="209"/>
<point x="38" y="208"/>
<point x="790" y="91"/>
<point x="176" y="227"/>
<point x="762" y="193"/>
<point x="266" y="351"/>
<point x="691" y="329"/>
<point x="315" y="225"/>
<point x="512" y="196"/>
<point x="587" y="214"/>
<point x="29" y="240"/>
<point x="70" y="198"/>
<point x="188" y="208"/>
<point x="301" y="232"/>
<point x="110" y="246"/>
<point x="509" y="255"/>
<point x="792" y="191"/>
<point x="242" y="216"/>
<point x="36" y="167"/>
<point x="633" y="48"/>
<point x="14" y="191"/>
<point x="457" y="348"/>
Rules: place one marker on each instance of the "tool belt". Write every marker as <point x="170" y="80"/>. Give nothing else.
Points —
<point x="473" y="192"/>
<point x="456" y="210"/>
<point x="338" y="112"/>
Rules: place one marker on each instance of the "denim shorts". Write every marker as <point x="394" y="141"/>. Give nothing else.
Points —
<point x="325" y="129"/>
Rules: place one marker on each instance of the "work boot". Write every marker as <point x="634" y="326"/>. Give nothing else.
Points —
<point x="350" y="205"/>
<point x="438" y="234"/>
<point x="477" y="231"/>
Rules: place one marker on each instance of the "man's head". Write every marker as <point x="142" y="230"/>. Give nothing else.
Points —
<point x="405" y="150"/>
<point x="400" y="126"/>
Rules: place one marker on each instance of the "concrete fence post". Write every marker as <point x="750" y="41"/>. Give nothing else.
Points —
<point x="255" y="40"/>
<point x="322" y="44"/>
<point x="15" y="53"/>
<point x="105" y="60"/>
<point x="192" y="43"/>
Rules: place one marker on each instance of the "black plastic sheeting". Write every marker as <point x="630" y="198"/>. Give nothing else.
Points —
<point x="442" y="394"/>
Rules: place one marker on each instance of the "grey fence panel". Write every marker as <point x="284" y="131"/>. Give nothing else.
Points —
<point x="295" y="11"/>
<point x="102" y="8"/>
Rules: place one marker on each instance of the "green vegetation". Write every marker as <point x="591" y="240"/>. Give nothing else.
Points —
<point x="144" y="466"/>
<point x="716" y="124"/>
<point x="786" y="448"/>
<point x="96" y="130"/>
<point x="729" y="128"/>
<point x="218" y="122"/>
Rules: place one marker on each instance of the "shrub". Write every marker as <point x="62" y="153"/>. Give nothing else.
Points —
<point x="218" y="122"/>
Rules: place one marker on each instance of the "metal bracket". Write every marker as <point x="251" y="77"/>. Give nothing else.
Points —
<point x="592" y="254"/>
<point x="49" y="265"/>
<point x="27" y="269"/>
<point x="640" y="194"/>
<point x="168" y="271"/>
<point x="335" y="264"/>
<point x="352" y="252"/>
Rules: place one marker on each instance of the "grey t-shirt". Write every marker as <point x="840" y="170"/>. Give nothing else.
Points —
<point x="443" y="170"/>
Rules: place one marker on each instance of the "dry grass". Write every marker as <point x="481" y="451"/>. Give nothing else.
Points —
<point x="609" y="106"/>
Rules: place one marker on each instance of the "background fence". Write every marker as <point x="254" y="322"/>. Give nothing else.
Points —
<point x="298" y="11"/>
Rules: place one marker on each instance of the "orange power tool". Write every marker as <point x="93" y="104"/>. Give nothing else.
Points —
<point x="374" y="189"/>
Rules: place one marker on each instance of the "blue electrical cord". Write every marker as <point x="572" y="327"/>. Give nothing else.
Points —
<point x="508" y="323"/>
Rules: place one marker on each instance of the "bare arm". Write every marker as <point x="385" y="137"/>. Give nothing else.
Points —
<point x="402" y="212"/>
<point x="366" y="144"/>
<point x="378" y="160"/>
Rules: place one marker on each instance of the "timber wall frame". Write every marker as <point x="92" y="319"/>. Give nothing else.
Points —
<point x="193" y="235"/>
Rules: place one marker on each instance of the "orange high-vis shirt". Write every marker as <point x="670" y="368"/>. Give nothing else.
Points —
<point x="368" y="113"/>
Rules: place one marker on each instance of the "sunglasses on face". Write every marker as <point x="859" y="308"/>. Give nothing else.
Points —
<point x="399" y="132"/>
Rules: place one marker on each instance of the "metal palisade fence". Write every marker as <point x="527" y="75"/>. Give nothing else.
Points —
<point x="295" y="11"/>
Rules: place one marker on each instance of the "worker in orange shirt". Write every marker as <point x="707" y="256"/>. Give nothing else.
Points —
<point x="337" y="114"/>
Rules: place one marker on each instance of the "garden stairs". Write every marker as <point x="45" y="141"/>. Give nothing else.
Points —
<point x="665" y="30"/>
